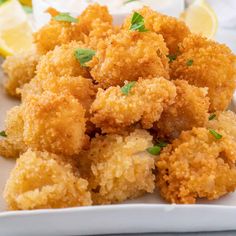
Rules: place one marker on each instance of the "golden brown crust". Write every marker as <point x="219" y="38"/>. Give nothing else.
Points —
<point x="213" y="67"/>
<point x="113" y="111"/>
<point x="197" y="165"/>
<point x="127" y="56"/>
<point x="118" y="167"/>
<point x="42" y="180"/>
<point x="190" y="109"/>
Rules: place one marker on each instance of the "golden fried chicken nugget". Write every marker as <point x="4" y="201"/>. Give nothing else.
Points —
<point x="189" y="110"/>
<point x="54" y="123"/>
<point x="60" y="32"/>
<point x="172" y="29"/>
<point x="20" y="69"/>
<point x="128" y="56"/>
<point x="118" y="167"/>
<point x="42" y="180"/>
<point x="197" y="165"/>
<point x="12" y="145"/>
<point x="62" y="62"/>
<point x="113" y="110"/>
<point x="206" y="63"/>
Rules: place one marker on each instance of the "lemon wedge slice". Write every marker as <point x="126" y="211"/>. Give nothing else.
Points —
<point x="26" y="2"/>
<point x="15" y="30"/>
<point x="201" y="18"/>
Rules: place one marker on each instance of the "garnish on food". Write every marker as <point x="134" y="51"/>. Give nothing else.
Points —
<point x="126" y="88"/>
<point x="212" y="116"/>
<point x="215" y="134"/>
<point x="155" y="150"/>
<point x="66" y="17"/>
<point x="84" y="55"/>
<point x="3" y="134"/>
<point x="172" y="58"/>
<point x="189" y="62"/>
<point x="137" y="23"/>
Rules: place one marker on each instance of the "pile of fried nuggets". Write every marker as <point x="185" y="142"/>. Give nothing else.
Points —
<point x="147" y="110"/>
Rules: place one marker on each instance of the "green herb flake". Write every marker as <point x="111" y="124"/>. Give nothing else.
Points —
<point x="27" y="9"/>
<point x="126" y="88"/>
<point x="137" y="23"/>
<point x="172" y="58"/>
<point x="212" y="116"/>
<point x="84" y="55"/>
<point x="66" y="17"/>
<point x="189" y="62"/>
<point x="155" y="150"/>
<point x="3" y="134"/>
<point x="215" y="134"/>
<point x="161" y="143"/>
<point x="128" y="1"/>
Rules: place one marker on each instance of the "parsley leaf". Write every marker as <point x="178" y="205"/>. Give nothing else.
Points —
<point x="215" y="134"/>
<point x="189" y="62"/>
<point x="65" y="17"/>
<point x="84" y="55"/>
<point x="128" y="1"/>
<point x="27" y="9"/>
<point x="155" y="150"/>
<point x="2" y="1"/>
<point x="172" y="58"/>
<point x="212" y="116"/>
<point x="126" y="88"/>
<point x="137" y="23"/>
<point x="3" y="134"/>
<point x="161" y="143"/>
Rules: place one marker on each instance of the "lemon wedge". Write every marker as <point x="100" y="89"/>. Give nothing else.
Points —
<point x="26" y="2"/>
<point x="201" y="18"/>
<point x="15" y="30"/>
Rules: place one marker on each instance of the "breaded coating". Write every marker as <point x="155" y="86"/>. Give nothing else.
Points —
<point x="13" y="144"/>
<point x="189" y="110"/>
<point x="129" y="55"/>
<point x="20" y="69"/>
<point x="41" y="180"/>
<point x="113" y="111"/>
<point x="54" y="123"/>
<point x="205" y="63"/>
<point x="225" y="121"/>
<point x="118" y="167"/>
<point x="57" y="32"/>
<point x="172" y="29"/>
<point x="61" y="62"/>
<point x="197" y="165"/>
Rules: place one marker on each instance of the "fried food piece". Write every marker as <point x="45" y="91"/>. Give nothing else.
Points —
<point x="118" y="167"/>
<point x="225" y="121"/>
<point x="57" y="32"/>
<point x="54" y="123"/>
<point x="42" y="180"/>
<point x="20" y="69"/>
<point x="128" y="56"/>
<point x="172" y="29"/>
<point x="61" y="62"/>
<point x="205" y="63"/>
<point x="13" y="144"/>
<point x="189" y="110"/>
<point x="113" y="111"/>
<point x="197" y="165"/>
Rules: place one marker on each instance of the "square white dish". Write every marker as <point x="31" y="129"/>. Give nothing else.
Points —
<point x="147" y="214"/>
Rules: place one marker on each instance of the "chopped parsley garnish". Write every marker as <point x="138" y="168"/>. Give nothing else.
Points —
<point x="84" y="55"/>
<point x="137" y="23"/>
<point x="3" y="134"/>
<point x="171" y="58"/>
<point x="215" y="134"/>
<point x="161" y="143"/>
<point x="128" y="1"/>
<point x="2" y="1"/>
<point x="155" y="150"/>
<point x="65" y="17"/>
<point x="212" y="116"/>
<point x="189" y="62"/>
<point x="27" y="9"/>
<point x="126" y="88"/>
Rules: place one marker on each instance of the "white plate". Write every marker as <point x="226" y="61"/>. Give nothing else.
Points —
<point x="147" y="214"/>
